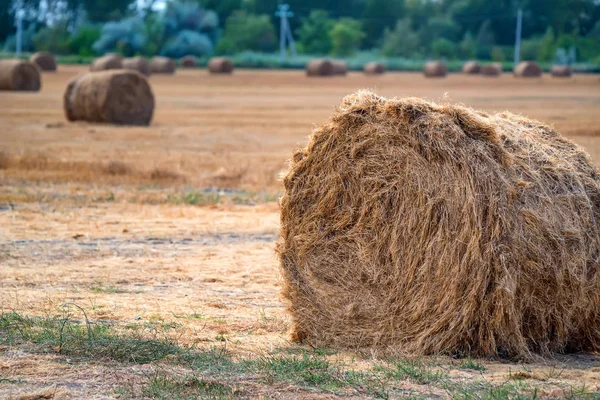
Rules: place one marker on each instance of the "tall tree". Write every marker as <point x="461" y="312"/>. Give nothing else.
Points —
<point x="378" y="16"/>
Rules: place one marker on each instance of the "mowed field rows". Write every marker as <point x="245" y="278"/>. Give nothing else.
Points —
<point x="139" y="262"/>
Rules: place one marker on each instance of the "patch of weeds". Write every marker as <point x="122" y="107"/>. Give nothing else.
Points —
<point x="11" y="381"/>
<point x="195" y="198"/>
<point x="107" y="289"/>
<point x="188" y="387"/>
<point x="484" y="390"/>
<point x="413" y="370"/>
<point x="471" y="364"/>
<point x="214" y="359"/>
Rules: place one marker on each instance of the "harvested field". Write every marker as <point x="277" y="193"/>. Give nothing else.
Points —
<point x="164" y="236"/>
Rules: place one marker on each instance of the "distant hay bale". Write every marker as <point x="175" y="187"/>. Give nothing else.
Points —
<point x="139" y="64"/>
<point x="188" y="62"/>
<point x="162" y="65"/>
<point x="528" y="69"/>
<point x="220" y="65"/>
<point x="561" y="71"/>
<point x="106" y="62"/>
<point x="44" y="60"/>
<point x="435" y="69"/>
<point x="438" y="229"/>
<point x="471" y="68"/>
<point x="18" y="75"/>
<point x="340" y="68"/>
<point x="319" y="67"/>
<point x="374" y="68"/>
<point x="492" y="70"/>
<point x="121" y="97"/>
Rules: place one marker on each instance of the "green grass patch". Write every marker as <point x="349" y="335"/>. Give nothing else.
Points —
<point x="415" y="371"/>
<point x="189" y="387"/>
<point x="471" y="364"/>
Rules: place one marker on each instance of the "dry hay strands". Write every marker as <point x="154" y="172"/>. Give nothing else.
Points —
<point x="471" y="68"/>
<point x="220" y="65"/>
<point x="319" y="67"/>
<point x="106" y="62"/>
<point x="340" y="68"/>
<point x="561" y="71"/>
<point x="438" y="229"/>
<point x="18" y="75"/>
<point x="139" y="64"/>
<point x="121" y="97"/>
<point x="188" y="62"/>
<point x="492" y="70"/>
<point x="162" y="65"/>
<point x="528" y="69"/>
<point x="44" y="60"/>
<point x="435" y="69"/>
<point x="374" y="68"/>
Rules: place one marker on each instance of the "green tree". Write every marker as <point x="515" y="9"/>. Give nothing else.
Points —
<point x="443" y="48"/>
<point x="401" y="41"/>
<point x="83" y="39"/>
<point x="346" y="36"/>
<point x="467" y="46"/>
<point x="485" y="40"/>
<point x="313" y="34"/>
<point x="223" y="8"/>
<point x="245" y="31"/>
<point x="378" y="16"/>
<point x="547" y="46"/>
<point x="105" y="10"/>
<point x="55" y="39"/>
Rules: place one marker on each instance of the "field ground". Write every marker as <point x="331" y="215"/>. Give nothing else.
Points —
<point x="139" y="262"/>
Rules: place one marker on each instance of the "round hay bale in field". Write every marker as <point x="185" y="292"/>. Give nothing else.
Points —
<point x="220" y="65"/>
<point x="439" y="229"/>
<point x="188" y="62"/>
<point x="492" y="70"/>
<point x="374" y="68"/>
<point x="162" y="65"/>
<point x="139" y="64"/>
<point x="471" y="68"/>
<point x="121" y="97"/>
<point x="319" y="67"/>
<point x="44" y="60"/>
<point x="435" y="69"/>
<point x="561" y="71"/>
<point x="19" y="75"/>
<point x="340" y="68"/>
<point x="106" y="62"/>
<point x="528" y="69"/>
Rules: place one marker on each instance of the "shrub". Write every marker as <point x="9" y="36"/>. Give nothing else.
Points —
<point x="443" y="48"/>
<point x="467" y="46"/>
<point x="498" y="54"/>
<point x="83" y="39"/>
<point x="127" y="36"/>
<point x="346" y="36"/>
<point x="401" y="41"/>
<point x="313" y="34"/>
<point x="188" y="43"/>
<point x="245" y="31"/>
<point x="54" y="39"/>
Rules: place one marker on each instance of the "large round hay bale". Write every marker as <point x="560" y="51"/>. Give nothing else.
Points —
<point x="220" y="65"/>
<point x="139" y="64"/>
<point x="106" y="62"/>
<point x="561" y="71"/>
<point x="19" y="75"/>
<point x="340" y="68"/>
<point x="44" y="60"/>
<point x="162" y="65"/>
<point x="319" y="67"/>
<point x="471" y="68"/>
<point x="121" y="97"/>
<point x="492" y="70"/>
<point x="188" y="62"/>
<point x="435" y="69"/>
<point x="528" y="69"/>
<point x="374" y="68"/>
<point x="438" y="229"/>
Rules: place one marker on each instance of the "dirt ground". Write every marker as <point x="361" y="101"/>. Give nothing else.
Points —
<point x="175" y="223"/>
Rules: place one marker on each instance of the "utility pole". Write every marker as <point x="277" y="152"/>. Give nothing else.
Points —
<point x="285" y="32"/>
<point x="19" y="24"/>
<point x="518" y="36"/>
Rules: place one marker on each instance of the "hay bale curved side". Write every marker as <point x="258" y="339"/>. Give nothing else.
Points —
<point x="139" y="64"/>
<point x="121" y="97"/>
<point x="44" y="60"/>
<point x="162" y="65"/>
<point x="561" y="71"/>
<point x="340" y="68"/>
<point x="492" y="70"/>
<point x="471" y="68"/>
<point x="18" y="75"/>
<point x="528" y="69"/>
<point x="220" y="65"/>
<point x="374" y="68"/>
<point x="440" y="230"/>
<point x="107" y="62"/>
<point x="188" y="62"/>
<point x="319" y="67"/>
<point x="435" y="69"/>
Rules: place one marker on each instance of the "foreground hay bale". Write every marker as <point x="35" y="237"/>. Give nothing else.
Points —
<point x="220" y="65"/>
<point x="19" y="75"/>
<point x="492" y="70"/>
<point x="340" y="68"/>
<point x="109" y="61"/>
<point x="435" y="69"/>
<point x="319" y="67"/>
<point x="44" y="60"/>
<point x="471" y="68"/>
<point x="162" y="65"/>
<point x="374" y="68"/>
<point x="119" y="97"/>
<point x="441" y="230"/>
<point x="528" y="69"/>
<point x="139" y="64"/>
<point x="561" y="71"/>
<point x="188" y="62"/>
